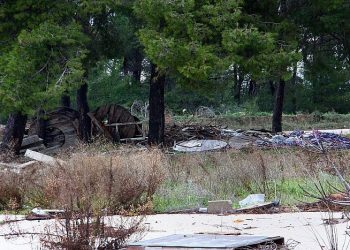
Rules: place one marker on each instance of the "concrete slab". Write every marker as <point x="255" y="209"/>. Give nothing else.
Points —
<point x="303" y="229"/>
<point x="307" y="230"/>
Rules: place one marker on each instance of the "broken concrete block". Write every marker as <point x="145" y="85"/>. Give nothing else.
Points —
<point x="42" y="158"/>
<point x="32" y="140"/>
<point x="219" y="206"/>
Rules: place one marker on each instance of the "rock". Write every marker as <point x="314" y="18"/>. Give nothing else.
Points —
<point x="219" y="206"/>
<point x="32" y="140"/>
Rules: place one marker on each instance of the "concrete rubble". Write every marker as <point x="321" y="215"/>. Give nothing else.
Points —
<point x="199" y="145"/>
<point x="44" y="214"/>
<point x="190" y="139"/>
<point x="219" y="207"/>
<point x="252" y="199"/>
<point x="42" y="158"/>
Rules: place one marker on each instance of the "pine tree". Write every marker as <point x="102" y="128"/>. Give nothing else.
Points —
<point x="201" y="39"/>
<point x="41" y="57"/>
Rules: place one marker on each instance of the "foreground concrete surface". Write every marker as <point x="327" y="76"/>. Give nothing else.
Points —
<point x="307" y="230"/>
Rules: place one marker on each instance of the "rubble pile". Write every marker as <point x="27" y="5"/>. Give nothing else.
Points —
<point x="197" y="136"/>
<point x="176" y="133"/>
<point x="2" y="129"/>
<point x="320" y="139"/>
<point x="312" y="139"/>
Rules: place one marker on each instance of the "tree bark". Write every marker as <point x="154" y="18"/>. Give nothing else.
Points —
<point x="156" y="107"/>
<point x="14" y="132"/>
<point x="137" y="69"/>
<point x="235" y="80"/>
<point x="132" y="64"/>
<point x="238" y="87"/>
<point x="278" y="107"/>
<point x="252" y="88"/>
<point x="41" y="125"/>
<point x="272" y="88"/>
<point x="83" y="108"/>
<point x="65" y="100"/>
<point x="126" y="66"/>
<point x="294" y="90"/>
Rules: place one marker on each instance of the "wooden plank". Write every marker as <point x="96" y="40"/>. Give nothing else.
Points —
<point x="123" y="124"/>
<point x="134" y="139"/>
<point x="101" y="126"/>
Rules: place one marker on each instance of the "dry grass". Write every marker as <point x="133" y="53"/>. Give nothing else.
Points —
<point x="11" y="192"/>
<point x="100" y="180"/>
<point x="119" y="180"/>
<point x="89" y="187"/>
<point x="233" y="175"/>
<point x="123" y="177"/>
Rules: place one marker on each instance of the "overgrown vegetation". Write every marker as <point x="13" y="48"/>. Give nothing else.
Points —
<point x="262" y="120"/>
<point x="109" y="181"/>
<point x="124" y="178"/>
<point x="89" y="187"/>
<point x="233" y="175"/>
<point x="100" y="180"/>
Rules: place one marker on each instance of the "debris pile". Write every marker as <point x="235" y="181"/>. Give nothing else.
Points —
<point x="32" y="142"/>
<point x="199" y="145"/>
<point x="206" y="112"/>
<point x="2" y="129"/>
<point x="44" y="214"/>
<point x="319" y="139"/>
<point x="178" y="133"/>
<point x="194" y="138"/>
<point x="313" y="139"/>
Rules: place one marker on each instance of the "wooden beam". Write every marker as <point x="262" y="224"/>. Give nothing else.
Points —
<point x="102" y="127"/>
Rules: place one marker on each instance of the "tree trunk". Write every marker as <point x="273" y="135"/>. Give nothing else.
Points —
<point x="126" y="66"/>
<point x="137" y="67"/>
<point x="252" y="88"/>
<point x="272" y="88"/>
<point x="294" y="90"/>
<point x="83" y="108"/>
<point x="238" y="87"/>
<point x="41" y="125"/>
<point x="235" y="80"/>
<point x="14" y="132"/>
<point x="65" y="100"/>
<point x="278" y="107"/>
<point x="132" y="64"/>
<point x="156" y="107"/>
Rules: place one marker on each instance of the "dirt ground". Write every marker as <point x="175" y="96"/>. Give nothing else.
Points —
<point x="300" y="230"/>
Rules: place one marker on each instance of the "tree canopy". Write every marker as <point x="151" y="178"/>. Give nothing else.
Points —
<point x="226" y="53"/>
